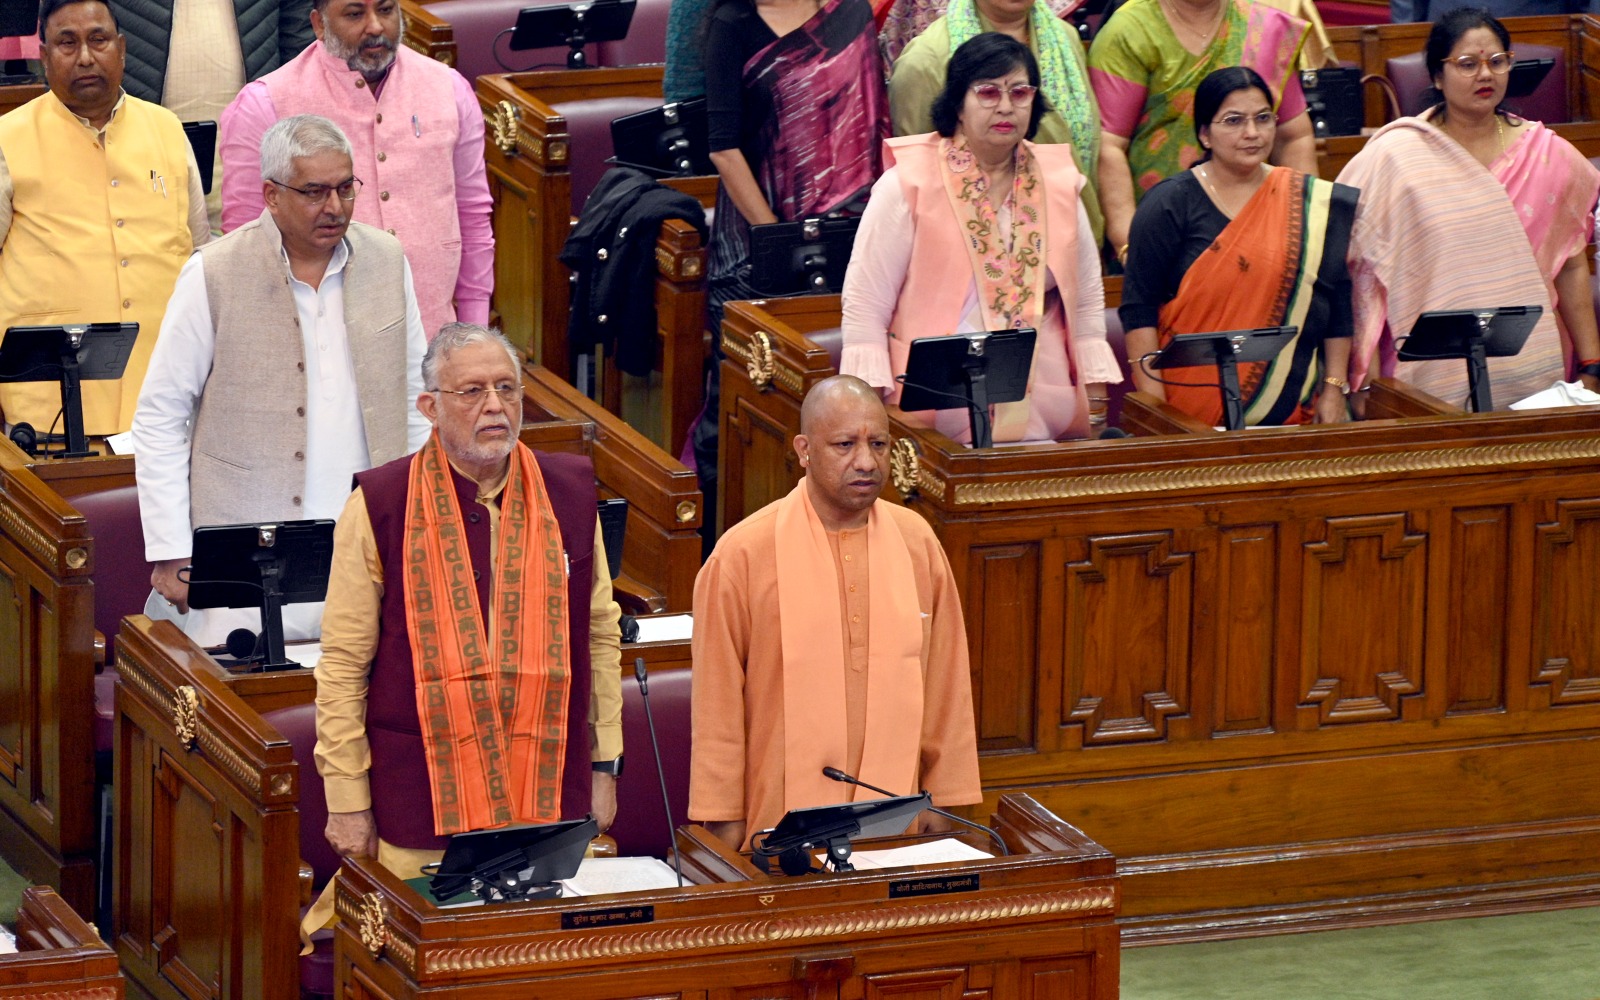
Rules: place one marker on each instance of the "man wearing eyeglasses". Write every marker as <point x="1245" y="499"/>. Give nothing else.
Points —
<point x="417" y="132"/>
<point x="290" y="359"/>
<point x="470" y="650"/>
<point x="100" y="205"/>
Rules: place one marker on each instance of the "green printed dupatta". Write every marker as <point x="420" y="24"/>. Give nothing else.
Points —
<point x="1145" y="79"/>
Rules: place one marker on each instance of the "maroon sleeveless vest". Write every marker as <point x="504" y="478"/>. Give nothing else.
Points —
<point x="402" y="799"/>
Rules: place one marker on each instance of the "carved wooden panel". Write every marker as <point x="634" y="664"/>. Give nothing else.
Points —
<point x="1474" y="606"/>
<point x="188" y="879"/>
<point x="1359" y="667"/>
<point x="1047" y="979"/>
<point x="516" y="286"/>
<point x="1001" y="604"/>
<point x="1246" y="623"/>
<point x="1566" y="604"/>
<point x="1128" y="622"/>
<point x="923" y="984"/>
<point x="13" y="693"/>
<point x="757" y="462"/>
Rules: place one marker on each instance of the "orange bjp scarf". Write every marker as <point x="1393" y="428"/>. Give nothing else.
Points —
<point x="492" y="703"/>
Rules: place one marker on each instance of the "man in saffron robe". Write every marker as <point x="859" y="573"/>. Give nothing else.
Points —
<point x="430" y="722"/>
<point x="792" y="674"/>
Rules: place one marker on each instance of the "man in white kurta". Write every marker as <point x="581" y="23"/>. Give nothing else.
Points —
<point x="290" y="360"/>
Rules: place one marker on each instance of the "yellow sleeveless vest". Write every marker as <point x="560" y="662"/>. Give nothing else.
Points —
<point x="93" y="239"/>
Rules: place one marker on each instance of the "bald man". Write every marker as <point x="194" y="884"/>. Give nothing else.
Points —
<point x="792" y="675"/>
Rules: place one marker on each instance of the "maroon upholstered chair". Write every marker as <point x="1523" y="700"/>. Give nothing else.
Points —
<point x="1119" y="350"/>
<point x="298" y="725"/>
<point x="641" y="826"/>
<point x="480" y="46"/>
<point x="121" y="584"/>
<point x="647" y="37"/>
<point x="589" y="125"/>
<point x="1547" y="103"/>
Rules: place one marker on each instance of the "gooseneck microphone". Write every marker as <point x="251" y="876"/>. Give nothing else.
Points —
<point x="849" y="779"/>
<point x="641" y="675"/>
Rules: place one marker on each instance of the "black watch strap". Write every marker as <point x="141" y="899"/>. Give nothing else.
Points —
<point x="611" y="767"/>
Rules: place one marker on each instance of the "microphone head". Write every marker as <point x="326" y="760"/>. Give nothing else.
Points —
<point x="241" y="643"/>
<point x="837" y="775"/>
<point x="639" y="671"/>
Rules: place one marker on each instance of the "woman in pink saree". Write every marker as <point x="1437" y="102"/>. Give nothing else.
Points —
<point x="1468" y="206"/>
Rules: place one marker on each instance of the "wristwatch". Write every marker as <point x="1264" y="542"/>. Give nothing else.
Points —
<point x="611" y="767"/>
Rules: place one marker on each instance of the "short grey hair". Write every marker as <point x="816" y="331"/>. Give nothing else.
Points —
<point x="451" y="338"/>
<point x="292" y="138"/>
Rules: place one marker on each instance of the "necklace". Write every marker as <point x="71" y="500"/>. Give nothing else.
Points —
<point x="1204" y="173"/>
<point x="1443" y="125"/>
<point x="1203" y="38"/>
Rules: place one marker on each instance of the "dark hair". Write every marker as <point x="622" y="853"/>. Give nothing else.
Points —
<point x="1447" y="31"/>
<point x="984" y="57"/>
<point x="1217" y="87"/>
<point x="48" y="8"/>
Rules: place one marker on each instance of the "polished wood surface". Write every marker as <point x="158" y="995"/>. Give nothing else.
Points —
<point x="1291" y="677"/>
<point x="207" y="860"/>
<point x="16" y="95"/>
<point x="47" y="670"/>
<point x="528" y="151"/>
<point x="428" y="33"/>
<point x="1037" y="923"/>
<point x="58" y="954"/>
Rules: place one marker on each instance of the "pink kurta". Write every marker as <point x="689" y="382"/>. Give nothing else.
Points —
<point x="417" y="148"/>
<point x="910" y="277"/>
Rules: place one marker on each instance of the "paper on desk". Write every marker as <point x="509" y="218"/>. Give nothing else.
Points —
<point x="665" y="628"/>
<point x="597" y="876"/>
<point x="120" y="444"/>
<point x="1559" y="394"/>
<point x="929" y="853"/>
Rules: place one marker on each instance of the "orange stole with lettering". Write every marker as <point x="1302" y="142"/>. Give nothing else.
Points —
<point x="494" y="718"/>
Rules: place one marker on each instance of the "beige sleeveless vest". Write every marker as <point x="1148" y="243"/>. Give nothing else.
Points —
<point x="250" y="431"/>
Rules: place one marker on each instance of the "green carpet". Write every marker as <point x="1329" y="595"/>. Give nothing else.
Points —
<point x="1533" y="956"/>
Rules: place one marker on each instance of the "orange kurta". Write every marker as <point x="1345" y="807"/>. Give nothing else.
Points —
<point x="737" y="769"/>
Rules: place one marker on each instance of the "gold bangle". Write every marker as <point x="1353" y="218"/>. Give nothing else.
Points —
<point x="1122" y="254"/>
<point x="1342" y="385"/>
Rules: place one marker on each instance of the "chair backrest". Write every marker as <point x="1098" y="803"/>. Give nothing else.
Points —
<point x="1547" y="103"/>
<point x="647" y="37"/>
<point x="641" y="826"/>
<point x="298" y="725"/>
<point x="830" y="340"/>
<point x="1119" y="350"/>
<point x="589" y="125"/>
<point x="121" y="575"/>
<point x="480" y="46"/>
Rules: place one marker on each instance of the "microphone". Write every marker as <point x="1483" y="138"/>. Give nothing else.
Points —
<point x="241" y="644"/>
<point x="640" y="675"/>
<point x="837" y="775"/>
<point x="1113" y="433"/>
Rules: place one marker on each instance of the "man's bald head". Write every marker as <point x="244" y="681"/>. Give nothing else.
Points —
<point x="843" y="445"/>
<point x="833" y="393"/>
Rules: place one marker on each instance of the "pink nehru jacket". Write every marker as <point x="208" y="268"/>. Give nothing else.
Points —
<point x="418" y="149"/>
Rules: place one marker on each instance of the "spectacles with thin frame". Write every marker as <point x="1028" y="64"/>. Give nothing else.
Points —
<point x="476" y="395"/>
<point x="1499" y="63"/>
<point x="988" y="94"/>
<point x="318" y="193"/>
<point x="1235" y="122"/>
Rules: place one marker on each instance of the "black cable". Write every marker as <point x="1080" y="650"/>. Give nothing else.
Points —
<point x="988" y="427"/>
<point x="494" y="47"/>
<point x="1221" y="388"/>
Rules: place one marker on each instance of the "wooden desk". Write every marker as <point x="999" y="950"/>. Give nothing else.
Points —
<point x="58" y="954"/>
<point x="528" y="149"/>
<point x="1037" y="923"/>
<point x="428" y="33"/>
<point x="661" y="553"/>
<point x="16" y="96"/>
<point x="1291" y="677"/>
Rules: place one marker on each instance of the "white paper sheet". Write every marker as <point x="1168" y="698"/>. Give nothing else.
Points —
<point x="597" y="876"/>
<point x="665" y="628"/>
<point x="928" y="853"/>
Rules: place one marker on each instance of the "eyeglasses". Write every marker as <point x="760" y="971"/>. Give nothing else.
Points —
<point x="318" y="193"/>
<point x="988" y="94"/>
<point x="476" y="395"/>
<point x="1499" y="63"/>
<point x="1235" y="122"/>
<point x="68" y="45"/>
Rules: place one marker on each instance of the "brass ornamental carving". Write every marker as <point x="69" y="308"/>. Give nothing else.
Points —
<point x="503" y="124"/>
<point x="370" y="923"/>
<point x="760" y="364"/>
<point x="685" y="511"/>
<point x="77" y="557"/>
<point x="903" y="467"/>
<point x="185" y="715"/>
